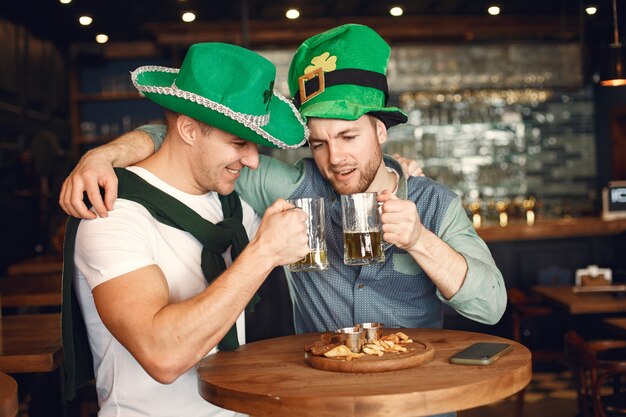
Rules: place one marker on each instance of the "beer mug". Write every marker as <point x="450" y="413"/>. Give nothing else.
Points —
<point x="317" y="258"/>
<point x="362" y="229"/>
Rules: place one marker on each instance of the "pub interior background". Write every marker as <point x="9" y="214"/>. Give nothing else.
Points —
<point x="506" y="110"/>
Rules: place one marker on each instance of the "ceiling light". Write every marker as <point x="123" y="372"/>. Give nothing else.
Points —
<point x="396" y="11"/>
<point x="102" y="38"/>
<point x="65" y="1"/>
<point x="493" y="10"/>
<point x="188" y="17"/>
<point x="612" y="74"/>
<point x="85" y="20"/>
<point x="292" y="14"/>
<point x="591" y="10"/>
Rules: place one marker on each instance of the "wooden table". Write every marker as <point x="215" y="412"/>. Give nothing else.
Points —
<point x="30" y="343"/>
<point x="270" y="378"/>
<point x="31" y="291"/>
<point x="581" y="303"/>
<point x="617" y="325"/>
<point x="8" y="396"/>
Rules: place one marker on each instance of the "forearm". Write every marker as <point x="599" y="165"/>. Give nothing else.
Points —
<point x="273" y="179"/>
<point x="443" y="265"/>
<point x="168" y="338"/>
<point x="185" y="332"/>
<point x="464" y="273"/>
<point x="126" y="150"/>
<point x="482" y="295"/>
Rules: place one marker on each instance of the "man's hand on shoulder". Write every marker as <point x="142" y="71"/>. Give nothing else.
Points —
<point x="410" y="167"/>
<point x="94" y="170"/>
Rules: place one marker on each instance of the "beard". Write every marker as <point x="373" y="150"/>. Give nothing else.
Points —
<point x="365" y="179"/>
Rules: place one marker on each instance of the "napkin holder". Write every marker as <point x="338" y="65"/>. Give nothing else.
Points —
<point x="592" y="276"/>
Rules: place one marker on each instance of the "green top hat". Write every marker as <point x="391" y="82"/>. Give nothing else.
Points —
<point x="341" y="74"/>
<point x="228" y="87"/>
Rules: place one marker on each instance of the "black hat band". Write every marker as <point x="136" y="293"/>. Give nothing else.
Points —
<point x="317" y="81"/>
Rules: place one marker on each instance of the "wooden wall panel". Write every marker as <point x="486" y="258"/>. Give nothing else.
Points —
<point x="8" y="52"/>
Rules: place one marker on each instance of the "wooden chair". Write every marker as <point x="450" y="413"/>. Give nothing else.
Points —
<point x="529" y="312"/>
<point x="31" y="292"/>
<point x="522" y="310"/>
<point x="8" y="396"/>
<point x="593" y="370"/>
<point x="40" y="265"/>
<point x="87" y="398"/>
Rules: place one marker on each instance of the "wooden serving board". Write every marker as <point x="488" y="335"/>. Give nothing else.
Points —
<point x="419" y="352"/>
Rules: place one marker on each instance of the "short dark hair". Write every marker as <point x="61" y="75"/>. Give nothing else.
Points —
<point x="171" y="116"/>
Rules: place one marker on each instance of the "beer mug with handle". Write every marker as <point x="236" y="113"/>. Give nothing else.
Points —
<point x="317" y="258"/>
<point x="362" y="229"/>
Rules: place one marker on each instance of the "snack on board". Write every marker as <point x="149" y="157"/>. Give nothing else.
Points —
<point x="330" y="348"/>
<point x="319" y="348"/>
<point x="390" y="343"/>
<point x="343" y="352"/>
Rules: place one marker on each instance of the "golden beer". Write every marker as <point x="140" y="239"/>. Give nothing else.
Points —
<point x="362" y="248"/>
<point x="313" y="260"/>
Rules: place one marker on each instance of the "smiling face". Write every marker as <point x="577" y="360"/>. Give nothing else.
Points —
<point x="348" y="152"/>
<point x="219" y="158"/>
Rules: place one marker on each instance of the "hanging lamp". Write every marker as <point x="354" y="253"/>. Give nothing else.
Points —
<point x="613" y="73"/>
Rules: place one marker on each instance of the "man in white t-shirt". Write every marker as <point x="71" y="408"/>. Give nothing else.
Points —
<point x="155" y="281"/>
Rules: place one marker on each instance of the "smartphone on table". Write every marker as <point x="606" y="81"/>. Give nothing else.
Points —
<point x="483" y="353"/>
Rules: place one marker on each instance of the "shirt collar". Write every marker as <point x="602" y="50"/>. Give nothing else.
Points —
<point x="401" y="192"/>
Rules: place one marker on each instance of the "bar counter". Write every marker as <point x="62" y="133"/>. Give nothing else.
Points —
<point x="552" y="229"/>
<point x="550" y="251"/>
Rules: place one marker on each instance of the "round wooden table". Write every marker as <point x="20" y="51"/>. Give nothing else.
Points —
<point x="8" y="396"/>
<point x="270" y="378"/>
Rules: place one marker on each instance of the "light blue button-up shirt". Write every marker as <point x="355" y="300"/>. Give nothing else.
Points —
<point x="396" y="292"/>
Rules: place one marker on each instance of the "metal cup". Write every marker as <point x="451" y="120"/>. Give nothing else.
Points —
<point x="373" y="331"/>
<point x="352" y="337"/>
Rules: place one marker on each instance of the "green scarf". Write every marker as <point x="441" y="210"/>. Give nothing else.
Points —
<point x="215" y="239"/>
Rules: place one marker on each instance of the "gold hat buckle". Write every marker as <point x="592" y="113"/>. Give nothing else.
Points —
<point x="319" y="73"/>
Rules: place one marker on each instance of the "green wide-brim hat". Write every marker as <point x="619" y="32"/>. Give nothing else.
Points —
<point x="227" y="87"/>
<point x="341" y="74"/>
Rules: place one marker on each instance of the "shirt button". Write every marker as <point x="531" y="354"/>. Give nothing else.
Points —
<point x="361" y="286"/>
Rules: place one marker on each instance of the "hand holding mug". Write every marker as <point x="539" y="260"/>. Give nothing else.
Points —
<point x="402" y="225"/>
<point x="282" y="234"/>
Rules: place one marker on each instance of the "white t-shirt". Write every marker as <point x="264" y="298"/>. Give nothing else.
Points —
<point x="129" y="239"/>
